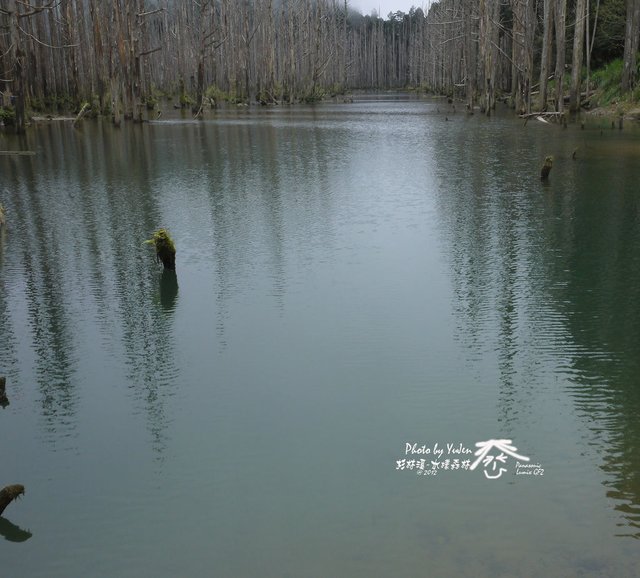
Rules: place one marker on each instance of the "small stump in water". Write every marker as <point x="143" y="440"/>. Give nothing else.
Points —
<point x="1" y="216"/>
<point x="546" y="168"/>
<point x="165" y="249"/>
<point x="4" y="400"/>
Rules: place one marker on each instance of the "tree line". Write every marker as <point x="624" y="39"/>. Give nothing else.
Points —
<point x="121" y="56"/>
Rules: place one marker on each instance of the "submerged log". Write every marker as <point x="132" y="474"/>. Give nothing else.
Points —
<point x="8" y="494"/>
<point x="2" y="221"/>
<point x="165" y="248"/>
<point x="544" y="117"/>
<point x="546" y="168"/>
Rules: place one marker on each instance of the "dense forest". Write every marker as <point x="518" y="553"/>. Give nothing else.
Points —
<point x="120" y="57"/>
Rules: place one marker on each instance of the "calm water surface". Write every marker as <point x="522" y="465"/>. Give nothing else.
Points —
<point x="350" y="278"/>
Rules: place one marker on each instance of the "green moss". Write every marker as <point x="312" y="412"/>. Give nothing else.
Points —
<point x="186" y="100"/>
<point x="165" y="248"/>
<point x="150" y="101"/>
<point x="7" y="116"/>
<point x="315" y="94"/>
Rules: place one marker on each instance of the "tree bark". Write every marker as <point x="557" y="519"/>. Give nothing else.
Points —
<point x="560" y="21"/>
<point x="632" y="32"/>
<point x="17" y="60"/>
<point x="545" y="60"/>
<point x="578" y="56"/>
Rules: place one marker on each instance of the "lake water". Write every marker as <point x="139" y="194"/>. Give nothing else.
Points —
<point x="350" y="278"/>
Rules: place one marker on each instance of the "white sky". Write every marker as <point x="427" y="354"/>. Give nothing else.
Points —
<point x="383" y="7"/>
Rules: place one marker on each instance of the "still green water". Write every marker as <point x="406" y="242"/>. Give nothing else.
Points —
<point x="350" y="279"/>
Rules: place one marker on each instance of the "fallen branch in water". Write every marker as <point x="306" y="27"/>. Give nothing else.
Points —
<point x="84" y="108"/>
<point x="8" y="494"/>
<point x="543" y="116"/>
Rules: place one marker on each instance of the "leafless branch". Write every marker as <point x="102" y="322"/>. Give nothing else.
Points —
<point x="36" y="9"/>
<point x="44" y="43"/>
<point x="150" y="12"/>
<point x="147" y="52"/>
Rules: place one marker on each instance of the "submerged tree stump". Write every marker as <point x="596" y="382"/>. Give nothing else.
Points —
<point x="546" y="168"/>
<point x="4" y="400"/>
<point x="1" y="216"/>
<point x="165" y="248"/>
<point x="8" y="494"/>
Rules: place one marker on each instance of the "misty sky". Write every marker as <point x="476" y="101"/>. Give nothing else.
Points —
<point x="383" y="7"/>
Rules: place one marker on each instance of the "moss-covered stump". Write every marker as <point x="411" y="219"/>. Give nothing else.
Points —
<point x="165" y="248"/>
<point x="8" y="494"/>
<point x="546" y="168"/>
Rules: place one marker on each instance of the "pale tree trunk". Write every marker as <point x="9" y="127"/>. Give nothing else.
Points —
<point x="489" y="22"/>
<point x="560" y="20"/>
<point x="523" y="31"/>
<point x="545" y="60"/>
<point x="529" y="38"/>
<point x="345" y="47"/>
<point x="578" y="56"/>
<point x="17" y="60"/>
<point x="469" y="55"/>
<point x="591" y="38"/>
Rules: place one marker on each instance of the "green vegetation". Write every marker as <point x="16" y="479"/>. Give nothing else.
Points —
<point x="7" y="116"/>
<point x="607" y="81"/>
<point x="150" y="101"/>
<point x="186" y="101"/>
<point x="215" y="96"/>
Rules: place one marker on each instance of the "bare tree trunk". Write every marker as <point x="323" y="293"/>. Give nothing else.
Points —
<point x="17" y="60"/>
<point x="578" y="56"/>
<point x="591" y="37"/>
<point x="523" y="31"/>
<point x="560" y="20"/>
<point x="469" y="55"/>
<point x="545" y="60"/>
<point x="489" y="22"/>
<point x="631" y="45"/>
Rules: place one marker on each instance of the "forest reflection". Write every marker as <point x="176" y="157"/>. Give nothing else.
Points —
<point x="82" y="207"/>
<point x="80" y="230"/>
<point x="556" y="271"/>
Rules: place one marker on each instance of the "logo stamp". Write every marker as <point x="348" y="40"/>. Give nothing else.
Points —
<point x="492" y="455"/>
